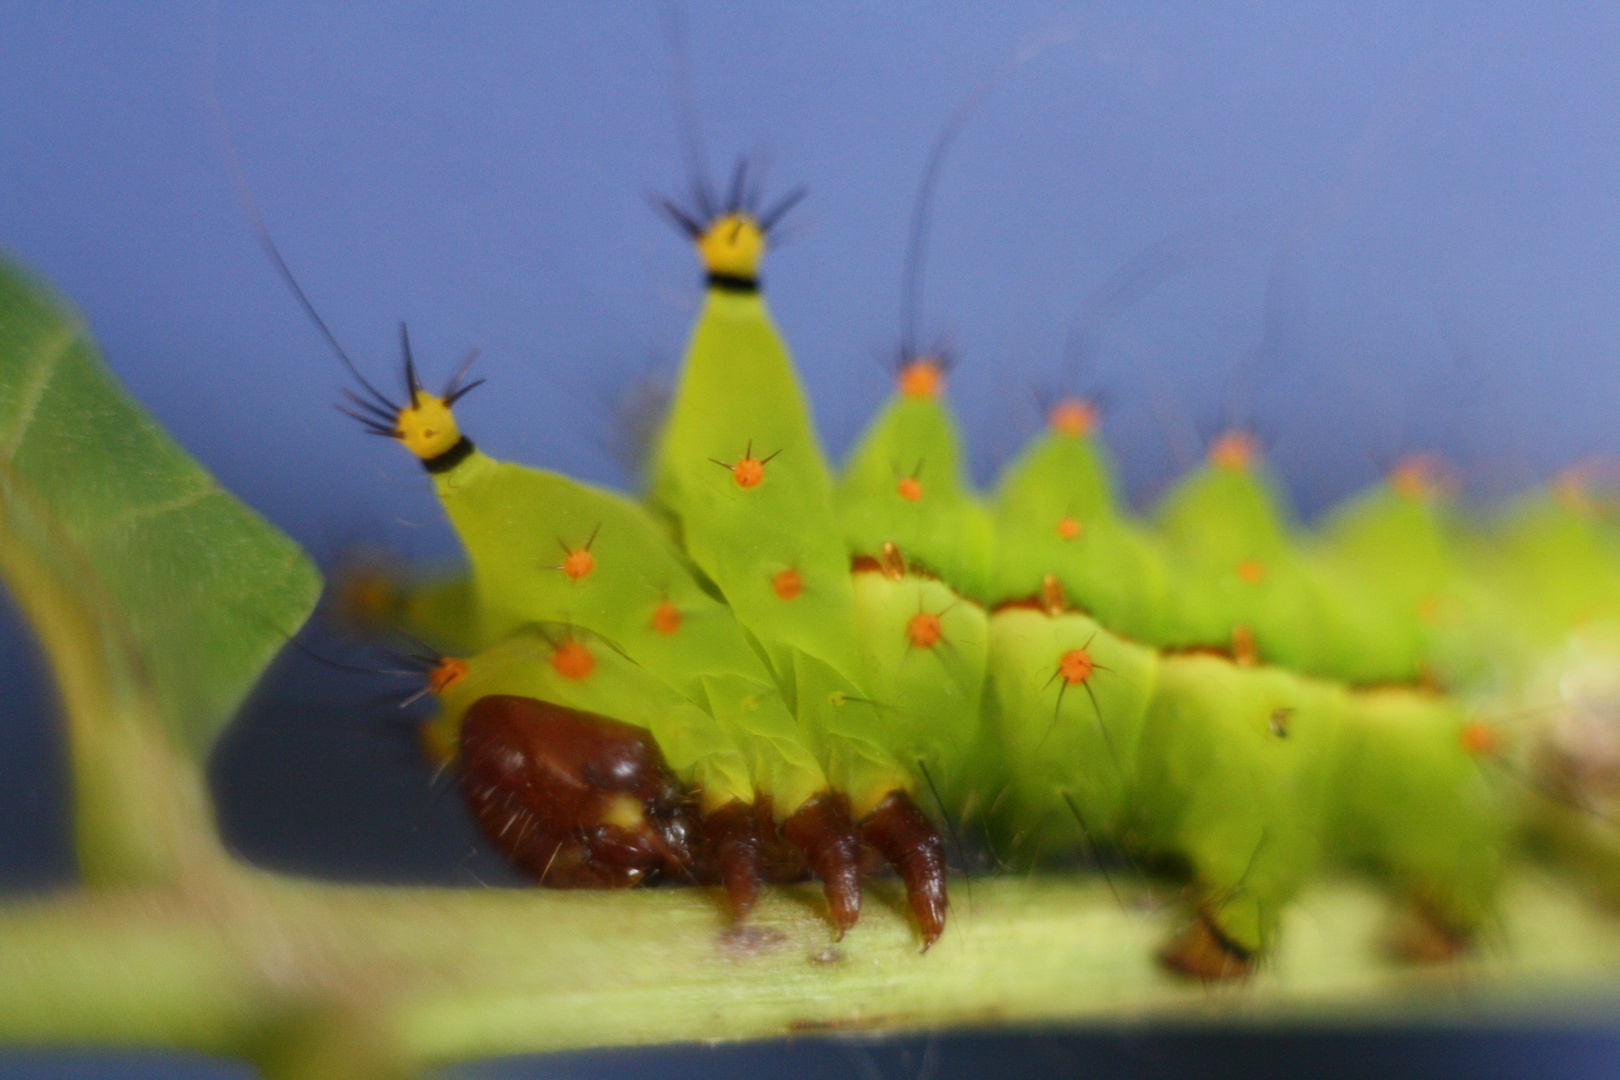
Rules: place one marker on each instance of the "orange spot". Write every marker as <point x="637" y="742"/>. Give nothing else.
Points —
<point x="923" y="630"/>
<point x="1251" y="571"/>
<point x="577" y="563"/>
<point x="1478" y="739"/>
<point x="1428" y="610"/>
<point x="1574" y="490"/>
<point x="909" y="489"/>
<point x="788" y="584"/>
<point x="368" y="599"/>
<point x="1072" y="417"/>
<point x="446" y="673"/>
<point x="666" y="618"/>
<point x="1234" y="451"/>
<point x="1414" y="478"/>
<point x="1075" y="666"/>
<point x="921" y="379"/>
<point x="572" y="660"/>
<point x="1068" y="528"/>
<point x="1244" y="648"/>
<point x="748" y="472"/>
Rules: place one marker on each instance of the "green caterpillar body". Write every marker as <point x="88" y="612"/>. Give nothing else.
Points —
<point x="1210" y="690"/>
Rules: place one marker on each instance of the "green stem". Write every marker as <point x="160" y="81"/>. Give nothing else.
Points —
<point x="141" y="812"/>
<point x="311" y="978"/>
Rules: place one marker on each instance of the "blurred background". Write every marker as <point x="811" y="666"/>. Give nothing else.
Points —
<point x="1362" y="229"/>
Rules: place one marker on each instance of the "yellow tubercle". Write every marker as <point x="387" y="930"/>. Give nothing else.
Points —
<point x="732" y="246"/>
<point x="427" y="427"/>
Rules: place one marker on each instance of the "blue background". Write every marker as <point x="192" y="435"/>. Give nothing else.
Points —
<point x="1400" y="225"/>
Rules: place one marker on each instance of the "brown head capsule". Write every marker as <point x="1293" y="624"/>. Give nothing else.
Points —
<point x="578" y="800"/>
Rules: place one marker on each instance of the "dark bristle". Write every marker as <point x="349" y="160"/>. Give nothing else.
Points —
<point x="769" y="218"/>
<point x="261" y="232"/>
<point x="371" y="426"/>
<point x="677" y="217"/>
<point x="412" y="383"/>
<point x="462" y="391"/>
<point x="911" y="272"/>
<point x="739" y="180"/>
<point x="371" y="410"/>
<point x="703" y="198"/>
<point x="452" y="387"/>
<point x="681" y="90"/>
<point x="754" y="192"/>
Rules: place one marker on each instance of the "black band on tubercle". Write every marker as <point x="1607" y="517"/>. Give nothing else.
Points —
<point x="450" y="458"/>
<point x="733" y="283"/>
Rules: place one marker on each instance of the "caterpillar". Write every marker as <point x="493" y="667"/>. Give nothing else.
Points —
<point x="763" y="671"/>
<point x="823" y="664"/>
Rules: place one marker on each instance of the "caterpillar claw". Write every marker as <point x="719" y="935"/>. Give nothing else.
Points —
<point x="1425" y="936"/>
<point x="822" y="829"/>
<point x="899" y="829"/>
<point x="732" y="837"/>
<point x="1202" y="952"/>
<point x="578" y="800"/>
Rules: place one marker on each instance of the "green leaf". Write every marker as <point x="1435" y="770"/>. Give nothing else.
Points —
<point x="157" y="595"/>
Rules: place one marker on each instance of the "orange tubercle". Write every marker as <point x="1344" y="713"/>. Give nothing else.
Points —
<point x="787" y="584"/>
<point x="909" y="489"/>
<point x="923" y="630"/>
<point x="573" y="660"/>
<point x="577" y="563"/>
<point x="1234" y="451"/>
<point x="1416" y="477"/>
<point x="1075" y="666"/>
<point x="1073" y="417"/>
<point x="1251" y="571"/>
<point x="921" y="379"/>
<point x="1068" y="528"/>
<point x="666" y="618"/>
<point x="446" y="673"/>
<point x="1573" y="487"/>
<point x="749" y="470"/>
<point x="1478" y="739"/>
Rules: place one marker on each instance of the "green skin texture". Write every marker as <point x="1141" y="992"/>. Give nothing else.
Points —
<point x="738" y="389"/>
<point x="948" y="531"/>
<point x="519" y="663"/>
<point x="1114" y="567"/>
<point x="1248" y="778"/>
<point x="515" y="524"/>
<point x="1219" y="521"/>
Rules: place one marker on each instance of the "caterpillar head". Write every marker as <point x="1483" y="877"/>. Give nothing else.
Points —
<point x="579" y="800"/>
<point x="425" y="423"/>
<point x="731" y="234"/>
